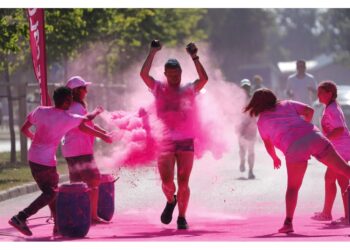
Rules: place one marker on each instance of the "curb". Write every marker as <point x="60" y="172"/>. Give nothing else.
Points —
<point x="25" y="189"/>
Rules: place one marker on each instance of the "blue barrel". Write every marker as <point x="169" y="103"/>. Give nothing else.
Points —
<point x="106" y="197"/>
<point x="73" y="210"/>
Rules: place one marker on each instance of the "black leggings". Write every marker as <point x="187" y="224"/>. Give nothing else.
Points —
<point x="47" y="179"/>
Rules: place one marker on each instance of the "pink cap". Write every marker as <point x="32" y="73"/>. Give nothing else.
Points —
<point x="76" y="81"/>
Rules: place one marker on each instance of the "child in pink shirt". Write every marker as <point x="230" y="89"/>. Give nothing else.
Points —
<point x="335" y="129"/>
<point x="286" y="125"/>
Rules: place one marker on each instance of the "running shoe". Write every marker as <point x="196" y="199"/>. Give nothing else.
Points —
<point x="167" y="214"/>
<point x="251" y="175"/>
<point x="286" y="229"/>
<point x="320" y="216"/>
<point x="242" y="167"/>
<point x="20" y="225"/>
<point x="182" y="223"/>
<point x="342" y="221"/>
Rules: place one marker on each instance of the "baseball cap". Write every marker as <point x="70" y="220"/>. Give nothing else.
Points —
<point x="245" y="82"/>
<point x="76" y="81"/>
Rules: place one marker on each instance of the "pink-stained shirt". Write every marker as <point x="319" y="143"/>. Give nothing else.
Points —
<point x="176" y="108"/>
<point x="51" y="125"/>
<point x="76" y="142"/>
<point x="283" y="125"/>
<point x="332" y="118"/>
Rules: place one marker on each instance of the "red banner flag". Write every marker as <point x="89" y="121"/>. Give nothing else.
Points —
<point x="37" y="44"/>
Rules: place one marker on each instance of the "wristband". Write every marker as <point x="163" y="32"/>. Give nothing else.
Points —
<point x="195" y="58"/>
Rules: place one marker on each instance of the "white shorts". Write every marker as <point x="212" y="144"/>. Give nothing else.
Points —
<point x="313" y="144"/>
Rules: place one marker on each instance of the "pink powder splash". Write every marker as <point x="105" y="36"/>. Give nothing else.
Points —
<point x="217" y="113"/>
<point x="137" y="137"/>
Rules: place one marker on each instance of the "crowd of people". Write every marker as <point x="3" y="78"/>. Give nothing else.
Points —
<point x="282" y="124"/>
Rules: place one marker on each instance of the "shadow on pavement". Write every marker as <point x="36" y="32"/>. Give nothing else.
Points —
<point x="293" y="235"/>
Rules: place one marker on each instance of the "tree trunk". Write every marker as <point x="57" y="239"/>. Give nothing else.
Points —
<point x="10" y="110"/>
<point x="22" y="113"/>
<point x="65" y="69"/>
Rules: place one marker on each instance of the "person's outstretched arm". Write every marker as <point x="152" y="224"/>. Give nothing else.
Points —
<point x="146" y="67"/>
<point x="203" y="77"/>
<point x="270" y="148"/>
<point x="91" y="131"/>
<point x="92" y="115"/>
<point x="99" y="128"/>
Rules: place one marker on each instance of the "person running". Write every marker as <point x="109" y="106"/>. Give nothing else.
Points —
<point x="51" y="123"/>
<point x="247" y="135"/>
<point x="78" y="147"/>
<point x="175" y="107"/>
<point x="301" y="86"/>
<point x="286" y="126"/>
<point x="334" y="128"/>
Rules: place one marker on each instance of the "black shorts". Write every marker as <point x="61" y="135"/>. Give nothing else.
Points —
<point x="179" y="145"/>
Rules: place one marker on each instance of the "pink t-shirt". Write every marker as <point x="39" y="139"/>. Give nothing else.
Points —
<point x="176" y="108"/>
<point x="332" y="118"/>
<point x="51" y="125"/>
<point x="76" y="142"/>
<point x="283" y="125"/>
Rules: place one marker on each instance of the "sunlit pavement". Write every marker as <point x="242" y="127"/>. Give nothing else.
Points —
<point x="224" y="206"/>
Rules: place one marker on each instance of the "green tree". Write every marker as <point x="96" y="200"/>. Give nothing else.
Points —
<point x="13" y="29"/>
<point x="123" y="34"/>
<point x="65" y="34"/>
<point x="336" y="32"/>
<point x="237" y="36"/>
<point x="300" y="32"/>
<point x="127" y="32"/>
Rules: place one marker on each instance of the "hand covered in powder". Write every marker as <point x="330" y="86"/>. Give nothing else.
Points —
<point x="276" y="163"/>
<point x="107" y="138"/>
<point x="98" y="110"/>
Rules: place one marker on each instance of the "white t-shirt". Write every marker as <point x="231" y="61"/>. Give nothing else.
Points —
<point x="332" y="118"/>
<point x="300" y="87"/>
<point x="76" y="142"/>
<point x="283" y="125"/>
<point x="51" y="125"/>
<point x="176" y="108"/>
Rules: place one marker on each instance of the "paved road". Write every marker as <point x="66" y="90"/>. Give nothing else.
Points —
<point x="224" y="206"/>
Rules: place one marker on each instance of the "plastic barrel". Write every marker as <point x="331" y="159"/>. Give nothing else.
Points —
<point x="73" y="210"/>
<point x="106" y="197"/>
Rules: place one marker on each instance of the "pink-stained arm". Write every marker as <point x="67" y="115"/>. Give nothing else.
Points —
<point x="270" y="148"/>
<point x="335" y="133"/>
<point x="146" y="67"/>
<point x="98" y="128"/>
<point x="303" y="110"/>
<point x="203" y="77"/>
<point x="91" y="131"/>
<point x="98" y="110"/>
<point x="25" y="129"/>
<point x="308" y="113"/>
